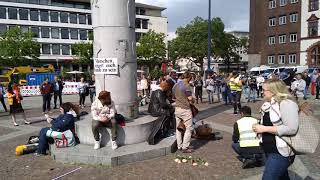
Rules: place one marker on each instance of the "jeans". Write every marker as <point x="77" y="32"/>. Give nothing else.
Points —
<point x="252" y="94"/>
<point x="276" y="167"/>
<point x="112" y="124"/>
<point x="57" y="95"/>
<point x="185" y="115"/>
<point x="254" y="153"/>
<point x="92" y="95"/>
<point x="210" y="96"/>
<point x="82" y="99"/>
<point x="46" y="98"/>
<point x="44" y="141"/>
<point x="246" y="91"/>
<point x="236" y="99"/>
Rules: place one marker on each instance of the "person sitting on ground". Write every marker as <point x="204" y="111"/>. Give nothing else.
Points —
<point x="245" y="141"/>
<point x="103" y="113"/>
<point x="65" y="121"/>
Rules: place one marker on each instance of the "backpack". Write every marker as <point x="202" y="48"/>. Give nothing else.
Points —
<point x="62" y="139"/>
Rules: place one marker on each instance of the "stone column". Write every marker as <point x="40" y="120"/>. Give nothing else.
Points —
<point x="114" y="37"/>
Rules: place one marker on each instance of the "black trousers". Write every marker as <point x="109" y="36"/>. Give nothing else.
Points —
<point x="236" y="97"/>
<point x="82" y="99"/>
<point x="46" y="98"/>
<point x="198" y="93"/>
<point x="3" y="103"/>
<point x="317" y="92"/>
<point x="56" y="96"/>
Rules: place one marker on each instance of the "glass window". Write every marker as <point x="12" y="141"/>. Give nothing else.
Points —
<point x="271" y="59"/>
<point x="3" y="14"/>
<point x="294" y="17"/>
<point x="34" y="15"/>
<point x="22" y="1"/>
<point x="46" y="49"/>
<point x="283" y="2"/>
<point x="292" y="59"/>
<point x="44" y="2"/>
<point x="56" y="49"/>
<point x="272" y="21"/>
<point x="282" y="39"/>
<point x="24" y="29"/>
<point x="64" y="33"/>
<point x="34" y="1"/>
<point x="65" y="49"/>
<point x="282" y="59"/>
<point x="313" y="5"/>
<point x="12" y="26"/>
<point x="64" y="17"/>
<point x="73" y="18"/>
<point x="282" y="20"/>
<point x="12" y="13"/>
<point x="24" y="14"/>
<point x="90" y="34"/>
<point x="272" y="40"/>
<point x="145" y="24"/>
<point x="294" y="1"/>
<point x="3" y="28"/>
<point x="74" y="34"/>
<point x="138" y="23"/>
<point x="45" y="32"/>
<point x="89" y="19"/>
<point x="55" y="33"/>
<point x="82" y="19"/>
<point x="293" y="37"/>
<point x="83" y="35"/>
<point x="272" y="4"/>
<point x="54" y="16"/>
<point x="35" y="31"/>
<point x="313" y="28"/>
<point x="44" y="15"/>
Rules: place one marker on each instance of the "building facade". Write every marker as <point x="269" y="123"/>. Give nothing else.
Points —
<point x="57" y="24"/>
<point x="241" y="51"/>
<point x="310" y="34"/>
<point x="275" y="32"/>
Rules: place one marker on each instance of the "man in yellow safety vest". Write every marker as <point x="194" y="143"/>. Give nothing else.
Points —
<point x="235" y="84"/>
<point x="245" y="141"/>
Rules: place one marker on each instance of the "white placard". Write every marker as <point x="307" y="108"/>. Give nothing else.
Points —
<point x="105" y="66"/>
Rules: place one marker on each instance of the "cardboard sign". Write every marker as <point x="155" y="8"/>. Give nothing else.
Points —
<point x="105" y="66"/>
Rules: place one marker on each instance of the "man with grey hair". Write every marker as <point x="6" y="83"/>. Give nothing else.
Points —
<point x="298" y="87"/>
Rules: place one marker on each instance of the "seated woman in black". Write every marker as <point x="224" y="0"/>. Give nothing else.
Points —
<point x="63" y="122"/>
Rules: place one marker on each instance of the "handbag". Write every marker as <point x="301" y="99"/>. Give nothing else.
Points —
<point x="306" y="140"/>
<point x="181" y="127"/>
<point x="62" y="139"/>
<point x="194" y="110"/>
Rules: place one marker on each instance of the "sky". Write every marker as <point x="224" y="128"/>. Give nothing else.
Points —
<point x="234" y="13"/>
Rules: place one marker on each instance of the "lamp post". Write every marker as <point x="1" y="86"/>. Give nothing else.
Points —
<point x="209" y="36"/>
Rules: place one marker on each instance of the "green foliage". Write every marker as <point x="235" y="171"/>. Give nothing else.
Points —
<point x="65" y="75"/>
<point x="151" y="49"/>
<point x="18" y="48"/>
<point x="83" y="52"/>
<point x="156" y="73"/>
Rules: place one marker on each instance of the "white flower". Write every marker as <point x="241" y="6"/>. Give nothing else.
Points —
<point x="206" y="164"/>
<point x="179" y="161"/>
<point x="184" y="160"/>
<point x="176" y="160"/>
<point x="190" y="157"/>
<point x="194" y="164"/>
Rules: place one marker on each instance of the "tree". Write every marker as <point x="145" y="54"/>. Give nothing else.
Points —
<point x="18" y="48"/>
<point x="151" y="49"/>
<point x="83" y="52"/>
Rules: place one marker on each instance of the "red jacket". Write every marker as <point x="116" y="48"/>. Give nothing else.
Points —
<point x="46" y="88"/>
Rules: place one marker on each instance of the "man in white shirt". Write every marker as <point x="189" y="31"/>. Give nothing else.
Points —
<point x="298" y="87"/>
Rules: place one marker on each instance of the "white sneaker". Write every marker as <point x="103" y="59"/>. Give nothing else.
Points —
<point x="114" y="145"/>
<point x="96" y="145"/>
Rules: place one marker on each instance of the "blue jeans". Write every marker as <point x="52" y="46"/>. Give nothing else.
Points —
<point x="252" y="94"/>
<point x="210" y="96"/>
<point x="276" y="167"/>
<point x="44" y="141"/>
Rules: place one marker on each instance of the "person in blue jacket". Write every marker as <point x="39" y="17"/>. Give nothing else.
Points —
<point x="65" y="121"/>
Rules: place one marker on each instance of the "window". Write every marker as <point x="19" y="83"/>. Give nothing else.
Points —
<point x="283" y="2"/>
<point x="54" y="16"/>
<point x="272" y="40"/>
<point x="23" y="14"/>
<point x="3" y="28"/>
<point x="34" y="15"/>
<point x="3" y="13"/>
<point x="282" y="20"/>
<point x="145" y="23"/>
<point x="292" y="58"/>
<point x="64" y="33"/>
<point x="294" y="1"/>
<point x="90" y="34"/>
<point x="89" y="19"/>
<point x="294" y="17"/>
<point x="65" y="49"/>
<point x="140" y="11"/>
<point x="44" y="16"/>
<point x="24" y="29"/>
<point x="35" y="31"/>
<point x="74" y="34"/>
<point x="82" y="19"/>
<point x="138" y="23"/>
<point x="272" y="4"/>
<point x="44" y="2"/>
<point x="313" y="5"/>
<point x="313" y="28"/>
<point x="46" y="49"/>
<point x="73" y="18"/>
<point x="56" y="49"/>
<point x="272" y="21"/>
<point x="83" y="35"/>
<point x="271" y="59"/>
<point x="315" y="56"/>
<point x="293" y="37"/>
<point x="138" y="36"/>
<point x="55" y="33"/>
<point x="45" y="32"/>
<point x="282" y="59"/>
<point x="64" y="17"/>
<point x="34" y="1"/>
<point x="12" y="12"/>
<point x="282" y="39"/>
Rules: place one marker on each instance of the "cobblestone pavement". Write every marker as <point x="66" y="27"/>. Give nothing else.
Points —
<point x="222" y="161"/>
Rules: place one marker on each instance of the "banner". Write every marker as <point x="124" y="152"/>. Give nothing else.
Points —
<point x="105" y="66"/>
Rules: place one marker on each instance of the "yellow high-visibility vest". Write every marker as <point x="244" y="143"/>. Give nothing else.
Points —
<point x="234" y="84"/>
<point x="248" y="138"/>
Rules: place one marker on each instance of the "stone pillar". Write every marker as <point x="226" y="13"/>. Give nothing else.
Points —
<point x="114" y="37"/>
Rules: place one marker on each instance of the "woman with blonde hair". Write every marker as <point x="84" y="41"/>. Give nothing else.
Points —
<point x="279" y="118"/>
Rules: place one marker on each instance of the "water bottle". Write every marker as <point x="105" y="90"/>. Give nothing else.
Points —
<point x="26" y="149"/>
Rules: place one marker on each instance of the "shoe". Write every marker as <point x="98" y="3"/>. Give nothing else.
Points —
<point x="235" y="112"/>
<point x="96" y="145"/>
<point x="114" y="145"/>
<point x="248" y="163"/>
<point x="27" y="122"/>
<point x="15" y="124"/>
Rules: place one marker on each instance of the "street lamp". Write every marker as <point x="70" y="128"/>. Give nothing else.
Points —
<point x="209" y="36"/>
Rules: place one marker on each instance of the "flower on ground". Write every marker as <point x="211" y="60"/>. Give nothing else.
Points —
<point x="194" y="164"/>
<point x="206" y="164"/>
<point x="184" y="160"/>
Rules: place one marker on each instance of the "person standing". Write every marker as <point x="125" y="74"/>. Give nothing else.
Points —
<point x="46" y="89"/>
<point x="144" y="85"/>
<point x="2" y="92"/>
<point x="308" y="82"/>
<point x="183" y="95"/>
<point x="82" y="88"/>
<point x="314" y="77"/>
<point x="57" y="91"/>
<point x="298" y="87"/>
<point x="260" y="80"/>
<point x="92" y="88"/>
<point x="317" y="84"/>
<point x="198" y="84"/>
<point x="14" y="100"/>
<point x="236" y="88"/>
<point x="279" y="117"/>
<point x="210" y="89"/>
